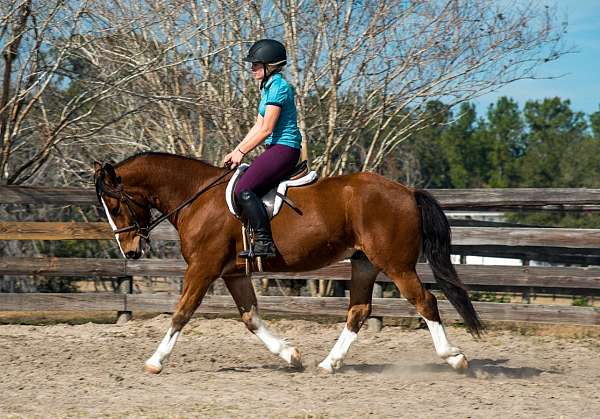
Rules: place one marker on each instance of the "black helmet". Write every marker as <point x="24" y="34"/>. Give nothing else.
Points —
<point x="267" y="51"/>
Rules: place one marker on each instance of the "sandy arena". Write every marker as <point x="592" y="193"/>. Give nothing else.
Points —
<point x="218" y="369"/>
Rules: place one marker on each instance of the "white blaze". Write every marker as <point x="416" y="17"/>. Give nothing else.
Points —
<point x="112" y="224"/>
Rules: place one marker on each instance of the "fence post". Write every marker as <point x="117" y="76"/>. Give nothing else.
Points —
<point x="376" y="323"/>
<point x="125" y="315"/>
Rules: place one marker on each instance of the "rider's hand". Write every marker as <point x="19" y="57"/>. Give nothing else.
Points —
<point x="233" y="159"/>
<point x="227" y="159"/>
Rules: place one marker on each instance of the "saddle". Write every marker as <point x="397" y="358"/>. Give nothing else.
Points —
<point x="274" y="199"/>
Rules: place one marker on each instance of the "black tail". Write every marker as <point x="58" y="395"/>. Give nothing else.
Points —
<point x="436" y="247"/>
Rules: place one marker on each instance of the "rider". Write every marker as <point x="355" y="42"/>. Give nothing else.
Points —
<point x="276" y="125"/>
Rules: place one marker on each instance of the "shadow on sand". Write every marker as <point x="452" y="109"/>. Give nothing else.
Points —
<point x="477" y="368"/>
<point x="264" y="367"/>
<point x="494" y="367"/>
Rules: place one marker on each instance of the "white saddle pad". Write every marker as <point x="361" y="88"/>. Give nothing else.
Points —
<point x="271" y="200"/>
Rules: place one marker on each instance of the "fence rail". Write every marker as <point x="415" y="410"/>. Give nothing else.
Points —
<point x="461" y="236"/>
<point x="566" y="199"/>
<point x="312" y="306"/>
<point x="552" y="244"/>
<point x="474" y="275"/>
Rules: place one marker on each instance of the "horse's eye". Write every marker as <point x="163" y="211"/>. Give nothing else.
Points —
<point x="115" y="211"/>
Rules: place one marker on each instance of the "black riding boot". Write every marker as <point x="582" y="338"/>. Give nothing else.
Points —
<point x="256" y="214"/>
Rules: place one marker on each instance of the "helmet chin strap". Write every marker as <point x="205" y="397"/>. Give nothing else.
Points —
<point x="267" y="75"/>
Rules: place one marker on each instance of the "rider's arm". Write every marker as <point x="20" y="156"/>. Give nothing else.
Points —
<point x="255" y="128"/>
<point x="261" y="129"/>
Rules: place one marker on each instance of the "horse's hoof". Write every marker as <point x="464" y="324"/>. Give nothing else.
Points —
<point x="331" y="365"/>
<point x="152" y="369"/>
<point x="458" y="362"/>
<point x="325" y="367"/>
<point x="336" y="364"/>
<point x="295" y="359"/>
<point x="325" y="371"/>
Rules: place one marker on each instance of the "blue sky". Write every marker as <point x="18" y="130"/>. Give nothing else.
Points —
<point x="581" y="80"/>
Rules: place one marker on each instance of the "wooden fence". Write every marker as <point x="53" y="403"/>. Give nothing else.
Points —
<point x="550" y="244"/>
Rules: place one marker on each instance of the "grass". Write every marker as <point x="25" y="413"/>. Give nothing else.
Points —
<point x="581" y="301"/>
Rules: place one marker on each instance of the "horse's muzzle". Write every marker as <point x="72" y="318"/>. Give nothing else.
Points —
<point x="133" y="254"/>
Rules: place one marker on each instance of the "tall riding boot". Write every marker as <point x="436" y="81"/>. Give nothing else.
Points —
<point x="256" y="214"/>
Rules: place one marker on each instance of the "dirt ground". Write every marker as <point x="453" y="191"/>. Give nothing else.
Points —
<point x="218" y="369"/>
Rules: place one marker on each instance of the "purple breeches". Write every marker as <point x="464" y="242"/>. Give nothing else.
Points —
<point x="268" y="169"/>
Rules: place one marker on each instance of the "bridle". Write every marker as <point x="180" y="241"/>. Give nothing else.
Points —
<point x="124" y="198"/>
<point x="127" y="201"/>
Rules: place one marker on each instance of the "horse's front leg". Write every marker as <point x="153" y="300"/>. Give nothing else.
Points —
<point x="196" y="281"/>
<point x="243" y="294"/>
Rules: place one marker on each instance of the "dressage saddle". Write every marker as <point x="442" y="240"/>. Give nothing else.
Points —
<point x="273" y="199"/>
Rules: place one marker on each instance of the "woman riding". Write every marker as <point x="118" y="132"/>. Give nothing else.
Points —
<point x="276" y="126"/>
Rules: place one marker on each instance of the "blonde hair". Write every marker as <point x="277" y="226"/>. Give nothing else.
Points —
<point x="273" y="68"/>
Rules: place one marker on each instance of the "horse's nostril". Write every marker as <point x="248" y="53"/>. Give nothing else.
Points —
<point x="130" y="255"/>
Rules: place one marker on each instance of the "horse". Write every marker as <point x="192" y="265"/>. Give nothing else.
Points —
<point x="381" y="225"/>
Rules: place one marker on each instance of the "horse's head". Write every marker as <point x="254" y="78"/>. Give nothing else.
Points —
<point x="127" y="211"/>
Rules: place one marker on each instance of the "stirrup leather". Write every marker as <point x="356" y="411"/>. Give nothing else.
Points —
<point x="248" y="255"/>
<point x="256" y="248"/>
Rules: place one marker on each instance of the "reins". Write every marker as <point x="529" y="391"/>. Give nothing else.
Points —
<point x="144" y="232"/>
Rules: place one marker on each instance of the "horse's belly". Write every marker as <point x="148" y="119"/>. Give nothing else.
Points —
<point x="307" y="259"/>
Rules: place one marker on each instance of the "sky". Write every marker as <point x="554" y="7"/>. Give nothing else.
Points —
<point x="581" y="80"/>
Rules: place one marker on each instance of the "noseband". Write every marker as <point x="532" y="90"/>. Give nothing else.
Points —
<point x="144" y="232"/>
<point x="124" y="198"/>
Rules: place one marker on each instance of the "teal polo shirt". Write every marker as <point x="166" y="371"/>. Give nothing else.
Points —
<point x="278" y="92"/>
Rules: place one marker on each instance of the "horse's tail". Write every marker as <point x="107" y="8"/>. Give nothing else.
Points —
<point x="436" y="248"/>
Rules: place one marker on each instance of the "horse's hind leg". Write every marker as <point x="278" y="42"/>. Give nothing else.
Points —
<point x="426" y="304"/>
<point x="243" y="294"/>
<point x="361" y="291"/>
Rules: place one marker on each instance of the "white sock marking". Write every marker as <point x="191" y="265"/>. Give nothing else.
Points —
<point x="112" y="224"/>
<point x="274" y="344"/>
<point x="163" y="351"/>
<point x="339" y="351"/>
<point x="442" y="347"/>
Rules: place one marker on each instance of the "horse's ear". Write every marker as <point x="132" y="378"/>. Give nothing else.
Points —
<point x="97" y="169"/>
<point x="112" y="174"/>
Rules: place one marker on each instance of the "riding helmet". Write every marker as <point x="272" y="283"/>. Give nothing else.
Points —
<point x="267" y="51"/>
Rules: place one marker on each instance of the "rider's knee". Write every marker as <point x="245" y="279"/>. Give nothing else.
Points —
<point x="245" y="195"/>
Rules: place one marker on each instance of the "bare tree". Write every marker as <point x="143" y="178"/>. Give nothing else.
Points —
<point x="371" y="67"/>
<point x="94" y="79"/>
<point x="27" y="29"/>
<point x="120" y="76"/>
<point x="107" y="78"/>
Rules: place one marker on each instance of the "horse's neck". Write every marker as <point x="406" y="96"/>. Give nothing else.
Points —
<point x="170" y="193"/>
<point x="168" y="182"/>
<point x="166" y="197"/>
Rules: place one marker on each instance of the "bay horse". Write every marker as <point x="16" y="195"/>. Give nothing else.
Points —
<point x="380" y="224"/>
